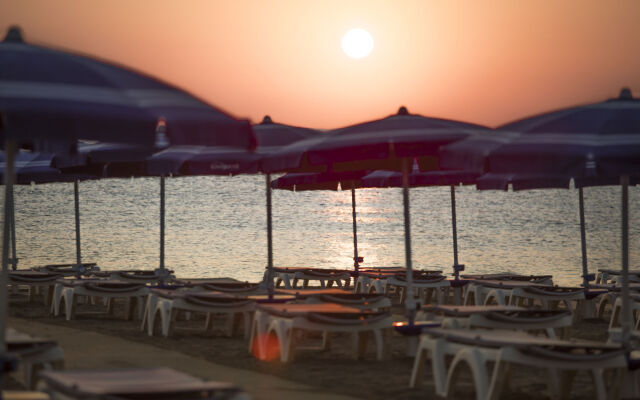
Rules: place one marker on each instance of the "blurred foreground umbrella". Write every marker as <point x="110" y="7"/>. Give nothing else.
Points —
<point x="51" y="99"/>
<point x="595" y="144"/>
<point x="391" y="143"/>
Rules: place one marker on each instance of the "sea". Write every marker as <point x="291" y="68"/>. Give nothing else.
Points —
<point x="216" y="227"/>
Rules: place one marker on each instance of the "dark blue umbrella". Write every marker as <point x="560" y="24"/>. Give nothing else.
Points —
<point x="594" y="144"/>
<point x="30" y="167"/>
<point x="390" y="143"/>
<point x="114" y="160"/>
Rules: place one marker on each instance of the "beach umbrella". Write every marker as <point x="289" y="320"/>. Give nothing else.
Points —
<point x="327" y="181"/>
<point x="109" y="160"/>
<point x="30" y="168"/>
<point x="386" y="179"/>
<point x="50" y="99"/>
<point x="390" y="143"/>
<point x="594" y="144"/>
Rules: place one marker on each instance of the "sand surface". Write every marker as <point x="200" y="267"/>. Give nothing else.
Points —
<point x="98" y="340"/>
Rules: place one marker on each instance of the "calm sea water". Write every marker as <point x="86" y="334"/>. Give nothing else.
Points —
<point x="216" y="226"/>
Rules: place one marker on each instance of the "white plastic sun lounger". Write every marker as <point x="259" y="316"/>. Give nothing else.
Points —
<point x="35" y="281"/>
<point x="477" y="349"/>
<point x="326" y="278"/>
<point x="165" y="304"/>
<point x="276" y="326"/>
<point x="139" y="384"/>
<point x="34" y="354"/>
<point x="68" y="290"/>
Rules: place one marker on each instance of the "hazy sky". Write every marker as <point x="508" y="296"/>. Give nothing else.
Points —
<point x="481" y="61"/>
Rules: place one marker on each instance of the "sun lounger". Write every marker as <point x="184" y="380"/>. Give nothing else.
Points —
<point x="69" y="269"/>
<point x="35" y="281"/>
<point x="503" y="349"/>
<point x="361" y="301"/>
<point x="134" y="275"/>
<point x="138" y="383"/>
<point x="607" y="276"/>
<point x="533" y="279"/>
<point x="289" y="277"/>
<point x="34" y="354"/>
<point x="487" y="292"/>
<point x="614" y="321"/>
<point x="166" y="304"/>
<point x="276" y="326"/>
<point x="68" y="290"/>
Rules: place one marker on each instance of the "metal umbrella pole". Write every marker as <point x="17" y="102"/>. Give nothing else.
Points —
<point x="269" y="274"/>
<point x="76" y="200"/>
<point x="410" y="300"/>
<point x="627" y="318"/>
<point x="12" y="221"/>
<point x="10" y="148"/>
<point x="456" y="268"/>
<point x="162" y="228"/>
<point x="356" y="259"/>
<point x="583" y="241"/>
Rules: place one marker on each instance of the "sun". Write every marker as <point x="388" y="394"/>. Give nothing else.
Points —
<point x="357" y="43"/>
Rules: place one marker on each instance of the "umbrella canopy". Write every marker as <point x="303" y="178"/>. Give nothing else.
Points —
<point x="50" y="99"/>
<point x="32" y="168"/>
<point x="594" y="144"/>
<point x="390" y="143"/>
<point x="379" y="144"/>
<point x="114" y="160"/>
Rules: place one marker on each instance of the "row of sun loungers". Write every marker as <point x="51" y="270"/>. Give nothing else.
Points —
<point x="279" y="325"/>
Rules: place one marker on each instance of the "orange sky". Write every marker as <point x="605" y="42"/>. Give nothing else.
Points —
<point x="480" y="61"/>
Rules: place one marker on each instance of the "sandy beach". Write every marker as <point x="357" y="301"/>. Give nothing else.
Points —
<point x="102" y="341"/>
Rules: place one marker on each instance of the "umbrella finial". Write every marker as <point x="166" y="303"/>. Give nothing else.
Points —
<point x="403" y="111"/>
<point x="266" y="120"/>
<point x="14" y="35"/>
<point x="625" y="94"/>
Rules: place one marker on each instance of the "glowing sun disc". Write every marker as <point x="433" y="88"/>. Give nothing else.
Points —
<point x="357" y="43"/>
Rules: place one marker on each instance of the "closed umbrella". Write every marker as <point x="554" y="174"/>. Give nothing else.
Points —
<point x="389" y="143"/>
<point x="594" y="144"/>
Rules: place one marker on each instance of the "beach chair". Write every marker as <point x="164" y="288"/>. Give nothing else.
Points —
<point x="69" y="269"/>
<point x="551" y="298"/>
<point x="608" y="276"/>
<point x="69" y="290"/>
<point x="165" y="304"/>
<point x="34" y="354"/>
<point x="233" y="288"/>
<point x="614" y="321"/>
<point x="35" y="281"/>
<point x="280" y="327"/>
<point x="135" y="275"/>
<point x="504" y="349"/>
<point x="135" y="383"/>
<point x="487" y="292"/>
<point x="361" y="301"/>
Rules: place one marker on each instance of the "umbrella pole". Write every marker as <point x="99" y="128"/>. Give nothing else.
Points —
<point x="269" y="275"/>
<point x="161" y="223"/>
<point x="456" y="272"/>
<point x="76" y="201"/>
<point x="10" y="148"/>
<point x="583" y="241"/>
<point x="410" y="299"/>
<point x="12" y="221"/>
<point x="626" y="309"/>
<point x="356" y="263"/>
